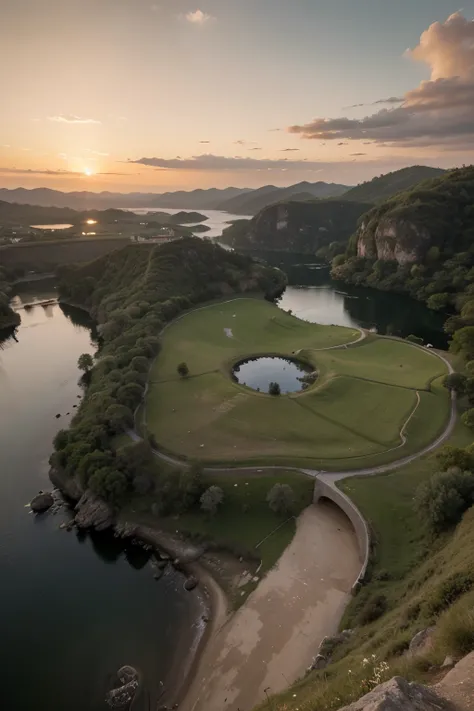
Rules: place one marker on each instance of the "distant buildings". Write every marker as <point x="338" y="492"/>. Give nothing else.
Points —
<point x="164" y="234"/>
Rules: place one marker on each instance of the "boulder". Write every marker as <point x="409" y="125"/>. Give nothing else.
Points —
<point x="421" y="642"/>
<point x="66" y="484"/>
<point x="191" y="583"/>
<point x="458" y="684"/>
<point x="329" y="644"/>
<point x="319" y="662"/>
<point x="42" y="502"/>
<point x="92" y="512"/>
<point x="125" y="688"/>
<point x="400" y="695"/>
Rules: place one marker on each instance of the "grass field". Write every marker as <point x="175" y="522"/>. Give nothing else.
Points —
<point x="351" y="416"/>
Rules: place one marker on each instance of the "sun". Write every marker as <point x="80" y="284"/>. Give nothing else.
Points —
<point x="88" y="172"/>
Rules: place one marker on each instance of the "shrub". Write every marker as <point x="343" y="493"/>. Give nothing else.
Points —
<point x="281" y="499"/>
<point x="212" y="499"/>
<point x="374" y="608"/>
<point x="456" y="382"/>
<point x="455" y="629"/>
<point x="448" y="592"/>
<point x="274" y="389"/>
<point x="444" y="497"/>
<point x="468" y="418"/>
<point x="183" y="370"/>
<point x="414" y="339"/>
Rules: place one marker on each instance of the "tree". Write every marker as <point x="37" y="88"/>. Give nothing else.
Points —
<point x="463" y="343"/>
<point x="449" y="456"/>
<point x="455" y="382"/>
<point x="438" y="302"/>
<point x="468" y="418"/>
<point x="130" y="395"/>
<point x="212" y="499"/>
<point x="281" y="499"/>
<point x="274" y="389"/>
<point x="85" y="362"/>
<point x="443" y="499"/>
<point x="109" y="484"/>
<point x="119" y="418"/>
<point x="183" y="370"/>
<point x="140" y="363"/>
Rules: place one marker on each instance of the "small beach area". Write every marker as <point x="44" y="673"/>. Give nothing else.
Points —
<point x="271" y="640"/>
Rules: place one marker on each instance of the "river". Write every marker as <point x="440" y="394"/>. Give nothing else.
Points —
<point x="76" y="607"/>
<point x="217" y="220"/>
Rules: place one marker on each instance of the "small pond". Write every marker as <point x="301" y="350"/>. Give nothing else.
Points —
<point x="258" y="373"/>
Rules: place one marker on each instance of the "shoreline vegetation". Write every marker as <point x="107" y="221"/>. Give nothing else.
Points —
<point x="79" y="455"/>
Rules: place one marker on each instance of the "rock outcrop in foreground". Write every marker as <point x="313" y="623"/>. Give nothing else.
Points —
<point x="400" y="695"/>
<point x="92" y="512"/>
<point x="454" y="693"/>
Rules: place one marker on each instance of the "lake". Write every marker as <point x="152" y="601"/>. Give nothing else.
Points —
<point x="74" y="607"/>
<point x="216" y="219"/>
<point x="52" y="228"/>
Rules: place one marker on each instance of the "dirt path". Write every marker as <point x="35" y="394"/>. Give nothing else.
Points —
<point x="269" y="642"/>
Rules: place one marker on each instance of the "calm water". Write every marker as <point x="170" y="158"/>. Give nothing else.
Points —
<point x="312" y="295"/>
<point x="216" y="219"/>
<point x="74" y="607"/>
<point x="258" y="373"/>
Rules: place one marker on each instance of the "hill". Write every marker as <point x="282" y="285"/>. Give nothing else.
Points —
<point x="420" y="242"/>
<point x="385" y="186"/>
<point x="251" y="203"/>
<point x="8" y="317"/>
<point x="303" y="227"/>
<point x="86" y="200"/>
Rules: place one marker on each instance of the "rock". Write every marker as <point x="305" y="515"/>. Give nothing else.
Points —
<point x="161" y="564"/>
<point x="329" y="644"/>
<point x="92" y="512"/>
<point x="41" y="502"/>
<point x="125" y="688"/>
<point x="58" y="416"/>
<point x="191" y="583"/>
<point x="400" y="695"/>
<point x="319" y="662"/>
<point x="421" y="642"/>
<point x="67" y="485"/>
<point x="448" y="662"/>
<point x="458" y="684"/>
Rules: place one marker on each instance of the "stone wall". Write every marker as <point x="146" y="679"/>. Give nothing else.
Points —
<point x="331" y="492"/>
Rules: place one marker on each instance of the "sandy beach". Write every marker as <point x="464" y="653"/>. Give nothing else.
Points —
<point x="271" y="640"/>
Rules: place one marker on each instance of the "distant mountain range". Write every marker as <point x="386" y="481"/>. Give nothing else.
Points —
<point x="211" y="199"/>
<point x="237" y="201"/>
<point x="251" y="203"/>
<point x="193" y="200"/>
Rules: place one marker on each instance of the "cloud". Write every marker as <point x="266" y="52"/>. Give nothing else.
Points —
<point x="198" y="17"/>
<point x="34" y="171"/>
<point x="212" y="163"/>
<point x="436" y="113"/>
<point x="71" y="118"/>
<point x="288" y="150"/>
<point x="204" y="141"/>
<point x="358" y="154"/>
<point x="390" y="100"/>
<point x="255" y="149"/>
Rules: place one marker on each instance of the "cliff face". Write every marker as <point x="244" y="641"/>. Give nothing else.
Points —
<point x="302" y="227"/>
<point x="393" y="239"/>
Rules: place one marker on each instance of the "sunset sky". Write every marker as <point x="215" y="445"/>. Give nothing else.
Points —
<point x="178" y="94"/>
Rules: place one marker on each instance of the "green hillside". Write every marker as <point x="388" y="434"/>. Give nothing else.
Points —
<point x="384" y="186"/>
<point x="420" y="242"/>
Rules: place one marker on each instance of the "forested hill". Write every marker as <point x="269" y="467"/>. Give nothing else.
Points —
<point x="8" y="317"/>
<point x="133" y="293"/>
<point x="385" y="186"/>
<point x="320" y="226"/>
<point x="420" y="242"/>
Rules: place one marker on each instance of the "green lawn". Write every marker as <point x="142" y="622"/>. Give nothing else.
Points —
<point x="352" y="415"/>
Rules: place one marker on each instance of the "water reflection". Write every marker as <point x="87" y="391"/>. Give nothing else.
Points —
<point x="314" y="296"/>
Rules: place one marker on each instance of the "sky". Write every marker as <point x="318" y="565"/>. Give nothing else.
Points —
<point x="157" y="95"/>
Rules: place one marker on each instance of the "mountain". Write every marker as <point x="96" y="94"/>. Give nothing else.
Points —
<point x="420" y="242"/>
<point x="252" y="202"/>
<point x="192" y="200"/>
<point x="303" y="227"/>
<point x="389" y="184"/>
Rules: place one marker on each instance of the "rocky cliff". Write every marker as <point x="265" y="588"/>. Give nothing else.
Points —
<point x="393" y="239"/>
<point x="302" y="227"/>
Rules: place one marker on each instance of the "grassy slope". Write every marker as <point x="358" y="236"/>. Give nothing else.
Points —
<point x="409" y="568"/>
<point x="244" y="521"/>
<point x="350" y="418"/>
